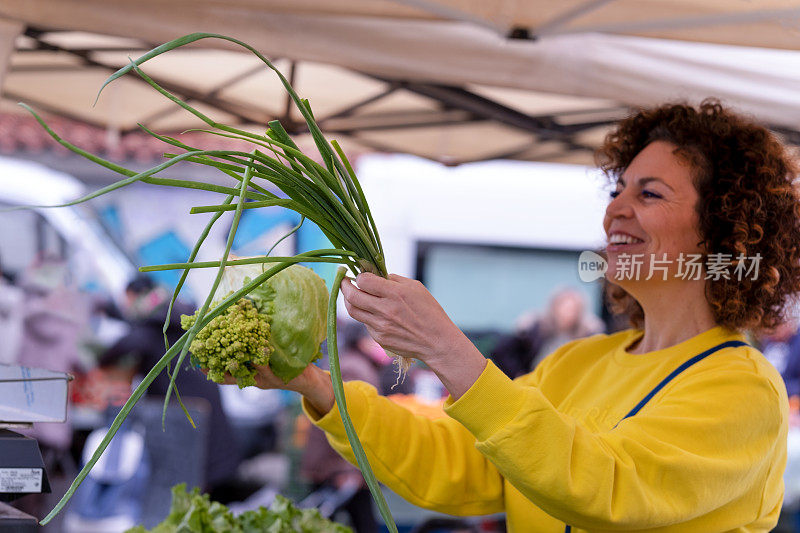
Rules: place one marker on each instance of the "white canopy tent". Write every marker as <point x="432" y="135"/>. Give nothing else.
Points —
<point x="450" y="80"/>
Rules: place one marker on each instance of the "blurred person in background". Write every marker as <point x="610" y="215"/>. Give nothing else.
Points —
<point x="781" y="347"/>
<point x="11" y="298"/>
<point x="143" y="346"/>
<point x="537" y="335"/>
<point x="255" y="415"/>
<point x="54" y="320"/>
<point x="361" y="358"/>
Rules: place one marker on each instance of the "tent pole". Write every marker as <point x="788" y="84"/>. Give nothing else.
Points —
<point x="565" y="18"/>
<point x="451" y="13"/>
<point x="779" y="15"/>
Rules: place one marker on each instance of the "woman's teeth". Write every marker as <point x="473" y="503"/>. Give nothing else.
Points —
<point x="619" y="238"/>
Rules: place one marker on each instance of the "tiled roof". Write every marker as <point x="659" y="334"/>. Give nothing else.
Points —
<point x="22" y="133"/>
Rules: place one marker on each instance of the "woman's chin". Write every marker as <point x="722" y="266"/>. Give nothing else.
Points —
<point x="622" y="281"/>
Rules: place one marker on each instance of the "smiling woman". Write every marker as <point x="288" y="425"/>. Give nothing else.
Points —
<point x="674" y="425"/>
<point x="745" y="206"/>
<point x="652" y="213"/>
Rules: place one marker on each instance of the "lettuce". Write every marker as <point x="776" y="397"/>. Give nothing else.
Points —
<point x="295" y="302"/>
<point x="193" y="512"/>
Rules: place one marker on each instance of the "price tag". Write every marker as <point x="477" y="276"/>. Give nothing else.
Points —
<point x="20" y="480"/>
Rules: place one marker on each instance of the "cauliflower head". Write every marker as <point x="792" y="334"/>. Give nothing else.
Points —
<point x="236" y="342"/>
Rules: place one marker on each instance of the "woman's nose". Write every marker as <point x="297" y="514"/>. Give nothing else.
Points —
<point x="621" y="206"/>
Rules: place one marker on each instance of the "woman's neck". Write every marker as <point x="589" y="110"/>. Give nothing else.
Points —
<point x="673" y="315"/>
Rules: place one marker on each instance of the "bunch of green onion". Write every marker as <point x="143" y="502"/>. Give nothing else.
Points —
<point x="328" y="194"/>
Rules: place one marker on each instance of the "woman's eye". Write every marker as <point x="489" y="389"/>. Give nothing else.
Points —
<point x="614" y="194"/>
<point x="649" y="194"/>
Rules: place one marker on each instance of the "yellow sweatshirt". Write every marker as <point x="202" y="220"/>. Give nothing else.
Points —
<point x="705" y="454"/>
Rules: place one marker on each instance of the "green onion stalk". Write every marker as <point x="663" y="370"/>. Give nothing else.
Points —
<point x="328" y="194"/>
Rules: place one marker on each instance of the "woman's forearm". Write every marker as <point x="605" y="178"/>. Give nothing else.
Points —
<point x="319" y="391"/>
<point x="459" y="368"/>
<point x="313" y="383"/>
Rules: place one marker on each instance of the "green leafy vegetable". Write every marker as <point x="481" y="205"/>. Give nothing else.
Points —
<point x="193" y="512"/>
<point x="296" y="300"/>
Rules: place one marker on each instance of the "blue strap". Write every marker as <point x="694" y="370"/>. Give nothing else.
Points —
<point x="684" y="366"/>
<point x="666" y="380"/>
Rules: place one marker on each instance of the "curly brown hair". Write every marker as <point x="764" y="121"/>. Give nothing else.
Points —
<point x="748" y="205"/>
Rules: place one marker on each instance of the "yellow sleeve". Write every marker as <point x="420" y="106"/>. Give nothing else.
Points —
<point x="698" y="445"/>
<point x="430" y="463"/>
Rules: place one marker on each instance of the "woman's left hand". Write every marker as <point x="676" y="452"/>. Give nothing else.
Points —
<point x="405" y="319"/>
<point x="401" y="315"/>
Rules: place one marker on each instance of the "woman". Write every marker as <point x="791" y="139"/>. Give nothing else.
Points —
<point x="674" y="425"/>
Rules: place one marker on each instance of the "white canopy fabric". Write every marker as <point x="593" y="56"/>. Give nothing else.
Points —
<point x="438" y="79"/>
<point x="766" y="23"/>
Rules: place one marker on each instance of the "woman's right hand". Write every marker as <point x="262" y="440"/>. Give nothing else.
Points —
<point x="313" y="383"/>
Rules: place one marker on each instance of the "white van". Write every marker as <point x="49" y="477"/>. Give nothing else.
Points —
<point x="490" y="240"/>
<point x="71" y="233"/>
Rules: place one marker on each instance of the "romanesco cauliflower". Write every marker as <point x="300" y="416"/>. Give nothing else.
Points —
<point x="234" y="342"/>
